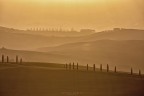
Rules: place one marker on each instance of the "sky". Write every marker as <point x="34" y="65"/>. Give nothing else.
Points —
<point x="95" y="14"/>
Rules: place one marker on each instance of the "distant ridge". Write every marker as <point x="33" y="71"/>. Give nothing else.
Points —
<point x="19" y="40"/>
<point x="118" y="34"/>
<point x="51" y="31"/>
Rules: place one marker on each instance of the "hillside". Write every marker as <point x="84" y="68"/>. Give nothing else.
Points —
<point x="27" y="41"/>
<point x="32" y="56"/>
<point x="19" y="80"/>
<point x="19" y="39"/>
<point x="118" y="34"/>
<point x="124" y="53"/>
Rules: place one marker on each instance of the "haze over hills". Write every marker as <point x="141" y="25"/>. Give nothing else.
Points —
<point x="103" y="38"/>
<point x="16" y="39"/>
<point x="32" y="56"/>
<point x="121" y="47"/>
<point x="58" y="32"/>
<point x="123" y="53"/>
<point x="118" y="34"/>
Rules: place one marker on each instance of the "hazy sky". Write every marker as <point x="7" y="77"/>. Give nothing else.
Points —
<point x="97" y="14"/>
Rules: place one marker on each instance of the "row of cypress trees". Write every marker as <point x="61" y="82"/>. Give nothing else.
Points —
<point x="7" y="59"/>
<point x="71" y="66"/>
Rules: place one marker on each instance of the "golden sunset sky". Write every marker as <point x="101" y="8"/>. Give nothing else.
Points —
<point x="97" y="14"/>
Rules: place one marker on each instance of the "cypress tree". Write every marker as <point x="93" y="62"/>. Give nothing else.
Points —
<point x="139" y="72"/>
<point x="7" y="59"/>
<point x="66" y="65"/>
<point x="70" y="66"/>
<point x="2" y="58"/>
<point x="101" y="67"/>
<point x="131" y="71"/>
<point x="107" y="68"/>
<point x="87" y="67"/>
<point x="77" y="66"/>
<point x="94" y="67"/>
<point x="21" y="60"/>
<point x="115" y="69"/>
<point x="16" y="59"/>
<point x="73" y="66"/>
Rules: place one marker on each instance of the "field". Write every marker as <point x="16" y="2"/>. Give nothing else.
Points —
<point x="38" y="79"/>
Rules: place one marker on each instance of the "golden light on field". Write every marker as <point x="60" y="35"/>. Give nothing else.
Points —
<point x="98" y="14"/>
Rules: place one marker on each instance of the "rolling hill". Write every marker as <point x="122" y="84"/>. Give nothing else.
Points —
<point x="16" y="40"/>
<point x="19" y="39"/>
<point x="32" y="56"/>
<point x="124" y="53"/>
<point x="118" y="34"/>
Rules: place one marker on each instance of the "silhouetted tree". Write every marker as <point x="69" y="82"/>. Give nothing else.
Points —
<point x="70" y="66"/>
<point x="94" y="67"/>
<point x="16" y="59"/>
<point x="7" y="59"/>
<point x="87" y="67"/>
<point x="77" y="66"/>
<point x="115" y="69"/>
<point x="66" y="66"/>
<point x="140" y="72"/>
<point x="101" y="67"/>
<point x="107" y="68"/>
<point x="2" y="58"/>
<point x="21" y="60"/>
<point x="131" y="71"/>
<point x="73" y="65"/>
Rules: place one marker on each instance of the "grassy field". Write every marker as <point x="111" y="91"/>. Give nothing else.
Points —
<point x="41" y="79"/>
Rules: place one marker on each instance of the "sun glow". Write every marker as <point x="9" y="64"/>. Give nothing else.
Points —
<point x="60" y="1"/>
<point x="99" y="14"/>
